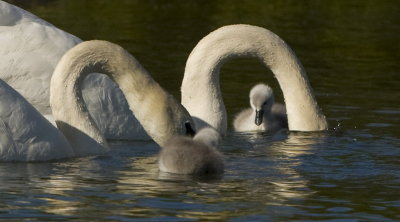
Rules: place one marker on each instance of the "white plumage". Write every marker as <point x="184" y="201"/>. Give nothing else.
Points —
<point x="30" y="49"/>
<point x="201" y="94"/>
<point x="161" y="115"/>
<point x="25" y="135"/>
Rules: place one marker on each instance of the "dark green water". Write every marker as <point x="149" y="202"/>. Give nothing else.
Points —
<point x="351" y="52"/>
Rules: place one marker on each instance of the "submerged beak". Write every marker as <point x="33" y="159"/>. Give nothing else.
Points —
<point x="259" y="117"/>
<point x="189" y="131"/>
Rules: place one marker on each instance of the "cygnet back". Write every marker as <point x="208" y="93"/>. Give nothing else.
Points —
<point x="184" y="155"/>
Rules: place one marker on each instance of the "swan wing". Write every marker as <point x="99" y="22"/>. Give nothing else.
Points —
<point x="8" y="148"/>
<point x="109" y="108"/>
<point x="25" y="134"/>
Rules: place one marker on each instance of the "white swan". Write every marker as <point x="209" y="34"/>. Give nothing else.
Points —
<point x="24" y="36"/>
<point x="201" y="94"/>
<point x="25" y="135"/>
<point x="264" y="114"/>
<point x="30" y="49"/>
<point x="161" y="115"/>
<point x="184" y="155"/>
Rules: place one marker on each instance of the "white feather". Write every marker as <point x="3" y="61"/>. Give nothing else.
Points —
<point x="30" y="49"/>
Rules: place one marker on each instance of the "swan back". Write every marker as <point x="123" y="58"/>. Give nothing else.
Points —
<point x="201" y="94"/>
<point x="11" y="15"/>
<point x="159" y="113"/>
<point x="30" y="49"/>
<point x="184" y="155"/>
<point x="24" y="36"/>
<point x="25" y="135"/>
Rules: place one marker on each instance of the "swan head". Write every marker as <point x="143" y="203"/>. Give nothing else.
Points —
<point x="261" y="100"/>
<point x="189" y="130"/>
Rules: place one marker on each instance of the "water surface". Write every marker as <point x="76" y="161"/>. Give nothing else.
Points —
<point x="350" y="50"/>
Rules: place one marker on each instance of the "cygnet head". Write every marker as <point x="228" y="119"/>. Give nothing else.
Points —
<point x="197" y="156"/>
<point x="208" y="136"/>
<point x="261" y="100"/>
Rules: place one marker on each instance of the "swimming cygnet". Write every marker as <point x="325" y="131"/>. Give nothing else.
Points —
<point x="184" y="155"/>
<point x="264" y="114"/>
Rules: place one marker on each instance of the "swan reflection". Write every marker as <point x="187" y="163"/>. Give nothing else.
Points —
<point x="268" y="164"/>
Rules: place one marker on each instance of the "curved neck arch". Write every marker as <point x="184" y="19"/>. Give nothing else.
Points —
<point x="201" y="94"/>
<point x="160" y="114"/>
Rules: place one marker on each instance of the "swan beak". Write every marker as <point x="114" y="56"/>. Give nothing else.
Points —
<point x="259" y="117"/>
<point x="189" y="131"/>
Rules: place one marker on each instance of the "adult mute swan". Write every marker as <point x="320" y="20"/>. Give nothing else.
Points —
<point x="30" y="49"/>
<point x="27" y="136"/>
<point x="264" y="114"/>
<point x="184" y="155"/>
<point x="205" y="103"/>
<point x="161" y="115"/>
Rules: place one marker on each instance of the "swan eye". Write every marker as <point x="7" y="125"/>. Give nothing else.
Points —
<point x="265" y="103"/>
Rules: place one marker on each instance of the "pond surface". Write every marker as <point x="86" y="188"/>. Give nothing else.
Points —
<point x="351" y="52"/>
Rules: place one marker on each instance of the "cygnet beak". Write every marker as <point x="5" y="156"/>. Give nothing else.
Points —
<point x="259" y="117"/>
<point x="189" y="131"/>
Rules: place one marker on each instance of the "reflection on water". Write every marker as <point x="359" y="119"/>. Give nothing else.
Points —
<point x="289" y="175"/>
<point x="350" y="50"/>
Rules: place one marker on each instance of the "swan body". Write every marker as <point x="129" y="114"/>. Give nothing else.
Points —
<point x="264" y="114"/>
<point x="184" y="155"/>
<point x="30" y="49"/>
<point x="157" y="111"/>
<point x="205" y="103"/>
<point x="25" y="135"/>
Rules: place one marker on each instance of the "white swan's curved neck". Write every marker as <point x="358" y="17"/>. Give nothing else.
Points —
<point x="159" y="113"/>
<point x="201" y="93"/>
